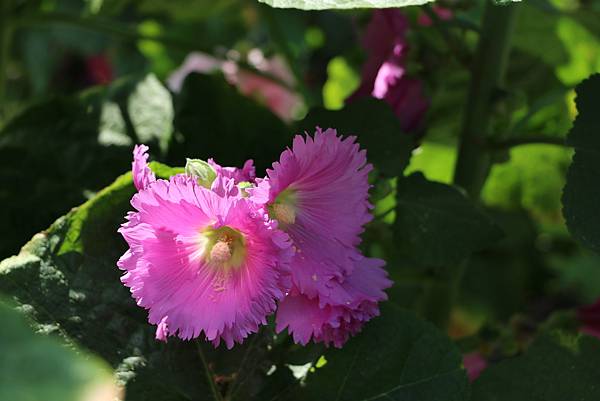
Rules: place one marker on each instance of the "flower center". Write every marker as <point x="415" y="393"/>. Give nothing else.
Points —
<point x="225" y="247"/>
<point x="283" y="209"/>
<point x="284" y="213"/>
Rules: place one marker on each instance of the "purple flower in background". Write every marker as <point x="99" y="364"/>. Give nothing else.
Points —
<point x="589" y="316"/>
<point x="384" y="74"/>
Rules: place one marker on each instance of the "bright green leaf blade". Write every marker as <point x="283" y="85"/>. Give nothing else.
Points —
<point x="341" y="4"/>
<point x="150" y="108"/>
<point x="548" y="371"/>
<point x="437" y="225"/>
<point x="377" y="128"/>
<point x="35" y="367"/>
<point x="581" y="195"/>
<point x="396" y="357"/>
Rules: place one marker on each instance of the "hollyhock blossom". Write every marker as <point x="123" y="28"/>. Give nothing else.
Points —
<point x="333" y="320"/>
<point x="589" y="316"/>
<point x="384" y="73"/>
<point x="202" y="263"/>
<point x="318" y="193"/>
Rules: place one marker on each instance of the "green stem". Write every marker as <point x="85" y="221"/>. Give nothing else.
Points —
<point x="474" y="158"/>
<point x="473" y="163"/>
<point x="6" y="29"/>
<point x="213" y="387"/>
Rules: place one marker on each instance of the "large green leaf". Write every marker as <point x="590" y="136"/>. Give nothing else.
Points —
<point x="67" y="281"/>
<point x="215" y="120"/>
<point x="35" y="367"/>
<point x="377" y="128"/>
<point x="581" y="195"/>
<point x="57" y="152"/>
<point x="397" y="357"/>
<point x="550" y="370"/>
<point x="341" y="4"/>
<point x="437" y="225"/>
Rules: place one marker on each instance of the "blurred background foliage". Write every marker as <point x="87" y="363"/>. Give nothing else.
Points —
<point x="83" y="81"/>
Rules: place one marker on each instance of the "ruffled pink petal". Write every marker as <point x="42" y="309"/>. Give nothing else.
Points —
<point x="142" y="175"/>
<point x="334" y="321"/>
<point x="167" y="274"/>
<point x="328" y="175"/>
<point x="245" y="174"/>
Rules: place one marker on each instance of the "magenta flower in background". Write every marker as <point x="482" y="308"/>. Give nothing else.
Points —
<point x="474" y="364"/>
<point x="384" y="73"/>
<point x="203" y="264"/>
<point x="277" y="96"/>
<point x="444" y="14"/>
<point x="589" y="316"/>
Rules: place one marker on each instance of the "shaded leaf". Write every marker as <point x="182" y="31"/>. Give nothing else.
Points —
<point x="35" y="367"/>
<point x="437" y="225"/>
<point x="397" y="357"/>
<point x="377" y="128"/>
<point x="550" y="370"/>
<point x="581" y="195"/>
<point x="216" y="121"/>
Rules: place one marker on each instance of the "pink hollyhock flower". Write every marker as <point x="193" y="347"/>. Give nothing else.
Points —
<point x="142" y="175"/>
<point x="318" y="193"/>
<point x="589" y="316"/>
<point x="384" y="73"/>
<point x="277" y="97"/>
<point x="333" y="320"/>
<point x="474" y="363"/>
<point x="444" y="14"/>
<point x="245" y="174"/>
<point x="203" y="264"/>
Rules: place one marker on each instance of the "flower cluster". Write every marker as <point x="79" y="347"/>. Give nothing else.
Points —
<point x="214" y="251"/>
<point x="384" y="74"/>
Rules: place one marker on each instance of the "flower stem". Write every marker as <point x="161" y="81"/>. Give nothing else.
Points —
<point x="474" y="158"/>
<point x="207" y="371"/>
<point x="489" y="66"/>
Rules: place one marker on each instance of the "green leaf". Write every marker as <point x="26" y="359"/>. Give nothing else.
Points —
<point x="581" y="195"/>
<point x="397" y="357"/>
<point x="150" y="108"/>
<point x="216" y="121"/>
<point x="35" y="367"/>
<point x="388" y="148"/>
<point x="437" y="225"/>
<point x="201" y="170"/>
<point x="552" y="369"/>
<point x="67" y="281"/>
<point x="341" y="4"/>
